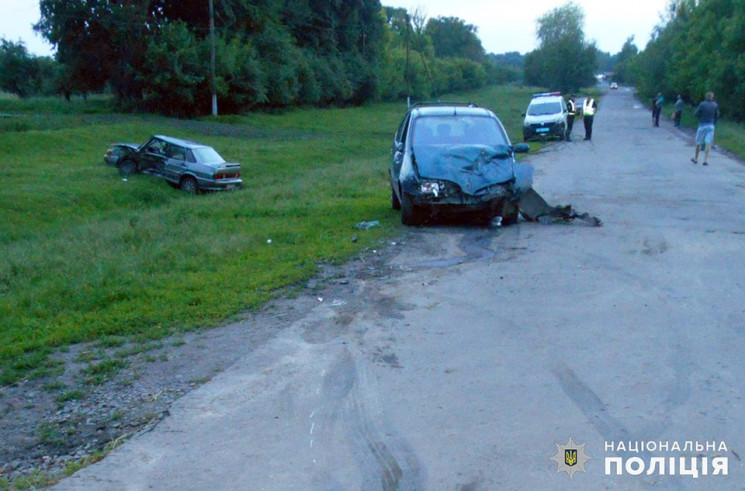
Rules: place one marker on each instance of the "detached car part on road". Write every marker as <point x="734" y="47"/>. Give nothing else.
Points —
<point x="455" y="158"/>
<point x="187" y="165"/>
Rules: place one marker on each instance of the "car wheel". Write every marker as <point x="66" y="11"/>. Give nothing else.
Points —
<point x="189" y="185"/>
<point x="411" y="214"/>
<point x="127" y="168"/>
<point x="395" y="203"/>
<point x="510" y="213"/>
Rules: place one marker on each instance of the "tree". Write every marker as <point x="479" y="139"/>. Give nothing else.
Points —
<point x="699" y="47"/>
<point x="16" y="69"/>
<point x="173" y="70"/>
<point x="623" y="60"/>
<point x="564" y="60"/>
<point x="26" y="75"/>
<point x="453" y="38"/>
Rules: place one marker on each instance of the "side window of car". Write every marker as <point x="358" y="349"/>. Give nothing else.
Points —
<point x="157" y="147"/>
<point x="177" y="152"/>
<point x="190" y="156"/>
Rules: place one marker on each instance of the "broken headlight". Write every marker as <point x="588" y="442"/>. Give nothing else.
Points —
<point x="431" y="187"/>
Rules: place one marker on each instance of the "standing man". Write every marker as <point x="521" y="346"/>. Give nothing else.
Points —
<point x="572" y="112"/>
<point x="678" y="111"/>
<point x="657" y="103"/>
<point x="707" y="114"/>
<point x="588" y="114"/>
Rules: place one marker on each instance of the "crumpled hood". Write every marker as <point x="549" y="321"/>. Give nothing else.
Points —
<point x="472" y="167"/>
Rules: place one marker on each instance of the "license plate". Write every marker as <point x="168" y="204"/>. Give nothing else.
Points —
<point x="542" y="130"/>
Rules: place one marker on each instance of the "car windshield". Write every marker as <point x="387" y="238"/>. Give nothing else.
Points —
<point x="542" y="108"/>
<point x="207" y="155"/>
<point x="458" y="130"/>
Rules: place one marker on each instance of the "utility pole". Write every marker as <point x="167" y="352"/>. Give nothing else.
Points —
<point x="213" y="87"/>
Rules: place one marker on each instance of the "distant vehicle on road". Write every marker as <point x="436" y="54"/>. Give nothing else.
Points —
<point x="187" y="165"/>
<point x="613" y="85"/>
<point x="455" y="158"/>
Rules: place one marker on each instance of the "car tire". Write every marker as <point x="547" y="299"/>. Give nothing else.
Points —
<point x="395" y="202"/>
<point x="411" y="214"/>
<point x="127" y="168"/>
<point x="510" y="213"/>
<point x="189" y="185"/>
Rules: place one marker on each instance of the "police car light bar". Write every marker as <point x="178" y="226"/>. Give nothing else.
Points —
<point x="546" y="94"/>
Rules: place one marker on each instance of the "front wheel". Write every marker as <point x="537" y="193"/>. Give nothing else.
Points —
<point x="395" y="202"/>
<point x="127" y="168"/>
<point x="510" y="213"/>
<point x="189" y="185"/>
<point x="411" y="214"/>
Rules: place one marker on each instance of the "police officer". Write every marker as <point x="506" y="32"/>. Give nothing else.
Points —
<point x="572" y="112"/>
<point x="588" y="114"/>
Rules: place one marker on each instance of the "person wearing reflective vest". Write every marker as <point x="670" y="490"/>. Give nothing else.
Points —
<point x="588" y="114"/>
<point x="571" y="113"/>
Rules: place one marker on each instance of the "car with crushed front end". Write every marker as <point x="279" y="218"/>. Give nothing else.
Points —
<point x="455" y="158"/>
<point x="184" y="164"/>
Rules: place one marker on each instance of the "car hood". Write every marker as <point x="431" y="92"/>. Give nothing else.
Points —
<point x="132" y="146"/>
<point x="472" y="167"/>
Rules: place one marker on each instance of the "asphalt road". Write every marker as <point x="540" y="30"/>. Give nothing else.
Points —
<point x="492" y="348"/>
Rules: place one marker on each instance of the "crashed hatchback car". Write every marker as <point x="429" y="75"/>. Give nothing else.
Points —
<point x="456" y="158"/>
<point x="187" y="165"/>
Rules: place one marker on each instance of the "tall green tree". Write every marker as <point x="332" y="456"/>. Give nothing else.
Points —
<point x="699" y="47"/>
<point x="453" y="38"/>
<point x="564" y="60"/>
<point x="16" y="69"/>
<point x="623" y="59"/>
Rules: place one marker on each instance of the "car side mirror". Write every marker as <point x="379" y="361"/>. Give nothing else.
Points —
<point x="521" y="148"/>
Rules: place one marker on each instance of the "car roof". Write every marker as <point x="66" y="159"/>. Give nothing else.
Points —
<point x="545" y="98"/>
<point x="180" y="142"/>
<point x="451" y="110"/>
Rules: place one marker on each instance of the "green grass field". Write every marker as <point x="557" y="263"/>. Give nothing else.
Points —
<point x="88" y="256"/>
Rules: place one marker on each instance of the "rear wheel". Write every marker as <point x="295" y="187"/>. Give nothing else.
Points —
<point x="189" y="185"/>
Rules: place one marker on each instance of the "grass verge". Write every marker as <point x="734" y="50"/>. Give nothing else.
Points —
<point x="88" y="256"/>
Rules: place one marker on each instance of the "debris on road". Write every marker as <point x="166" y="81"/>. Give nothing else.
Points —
<point x="535" y="209"/>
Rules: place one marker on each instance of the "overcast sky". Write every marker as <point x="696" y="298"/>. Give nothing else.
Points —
<point x="510" y="25"/>
<point x="503" y="25"/>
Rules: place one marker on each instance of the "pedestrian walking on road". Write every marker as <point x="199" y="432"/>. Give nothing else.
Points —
<point x="707" y="113"/>
<point x="678" y="111"/>
<point x="571" y="113"/>
<point x="657" y="104"/>
<point x="588" y="114"/>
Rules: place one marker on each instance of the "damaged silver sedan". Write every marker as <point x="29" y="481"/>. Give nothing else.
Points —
<point x="451" y="158"/>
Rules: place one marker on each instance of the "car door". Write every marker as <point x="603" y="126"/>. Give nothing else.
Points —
<point x="175" y="165"/>
<point x="398" y="147"/>
<point x="153" y="157"/>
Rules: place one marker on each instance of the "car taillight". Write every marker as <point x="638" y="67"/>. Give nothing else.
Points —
<point x="226" y="175"/>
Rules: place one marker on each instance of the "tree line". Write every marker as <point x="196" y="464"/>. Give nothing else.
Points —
<point x="155" y="54"/>
<point x="698" y="47"/>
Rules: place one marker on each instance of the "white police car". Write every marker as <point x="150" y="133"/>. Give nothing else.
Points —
<point x="545" y="117"/>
